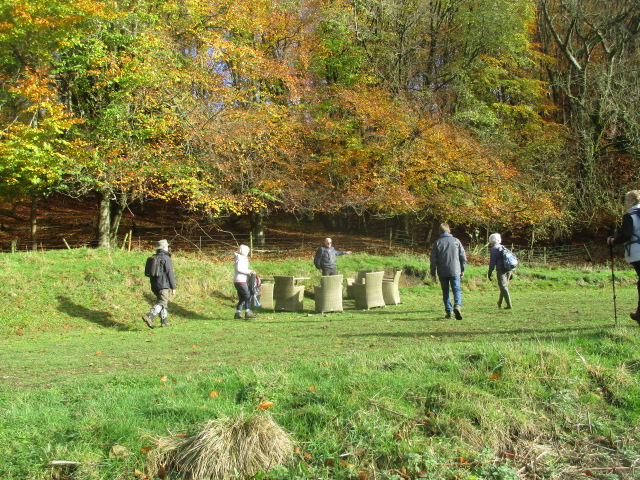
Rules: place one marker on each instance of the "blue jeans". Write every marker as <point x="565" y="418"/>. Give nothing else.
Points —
<point x="454" y="282"/>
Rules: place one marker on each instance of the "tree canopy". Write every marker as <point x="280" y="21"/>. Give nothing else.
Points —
<point x="503" y="114"/>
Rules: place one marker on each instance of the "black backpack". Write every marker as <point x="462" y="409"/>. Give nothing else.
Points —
<point x="153" y="267"/>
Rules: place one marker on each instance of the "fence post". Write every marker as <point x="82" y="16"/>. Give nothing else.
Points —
<point x="14" y="246"/>
<point x="544" y="255"/>
<point x="251" y="241"/>
<point x="390" y="237"/>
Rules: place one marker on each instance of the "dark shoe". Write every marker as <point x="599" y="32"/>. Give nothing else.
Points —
<point x="635" y="316"/>
<point x="238" y="316"/>
<point x="508" y="307"/>
<point x="148" y="320"/>
<point x="499" y="304"/>
<point x="165" y="323"/>
<point x="447" y="315"/>
<point x="249" y="314"/>
<point x="457" y="311"/>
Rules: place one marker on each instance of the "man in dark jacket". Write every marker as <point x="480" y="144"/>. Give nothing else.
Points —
<point x="325" y="258"/>
<point x="449" y="259"/>
<point x="163" y="282"/>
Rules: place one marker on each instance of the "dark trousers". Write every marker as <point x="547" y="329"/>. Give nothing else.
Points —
<point x="636" y="266"/>
<point x="326" y="271"/>
<point x="244" y="295"/>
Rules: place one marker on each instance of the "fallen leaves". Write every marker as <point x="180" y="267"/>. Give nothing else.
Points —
<point x="265" y="405"/>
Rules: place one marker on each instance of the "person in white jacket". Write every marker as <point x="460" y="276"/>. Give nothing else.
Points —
<point x="242" y="270"/>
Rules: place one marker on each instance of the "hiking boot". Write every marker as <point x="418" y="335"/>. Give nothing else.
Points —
<point x="447" y="315"/>
<point x="148" y="320"/>
<point x="457" y="311"/>
<point x="238" y="316"/>
<point x="250" y="314"/>
<point x="165" y="323"/>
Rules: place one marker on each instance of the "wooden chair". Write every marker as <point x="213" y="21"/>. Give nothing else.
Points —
<point x="328" y="295"/>
<point x="266" y="295"/>
<point x="369" y="294"/>
<point x="287" y="296"/>
<point x="390" y="291"/>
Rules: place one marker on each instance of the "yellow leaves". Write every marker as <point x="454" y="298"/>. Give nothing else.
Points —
<point x="213" y="394"/>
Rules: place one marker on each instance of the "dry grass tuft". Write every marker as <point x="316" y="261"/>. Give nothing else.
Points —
<point x="225" y="448"/>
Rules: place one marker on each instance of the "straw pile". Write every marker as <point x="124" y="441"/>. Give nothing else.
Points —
<point x="224" y="449"/>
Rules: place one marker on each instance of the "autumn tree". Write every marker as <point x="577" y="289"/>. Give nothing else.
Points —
<point x="594" y="80"/>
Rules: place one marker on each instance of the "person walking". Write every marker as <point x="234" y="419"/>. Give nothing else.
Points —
<point x="629" y="235"/>
<point x="496" y="260"/>
<point x="325" y="259"/>
<point x="448" y="260"/>
<point x="241" y="272"/>
<point x="159" y="269"/>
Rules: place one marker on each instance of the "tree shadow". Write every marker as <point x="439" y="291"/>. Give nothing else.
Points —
<point x="176" y="309"/>
<point x="104" y="319"/>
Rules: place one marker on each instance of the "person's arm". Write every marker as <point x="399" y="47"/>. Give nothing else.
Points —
<point x="171" y="275"/>
<point x="317" y="258"/>
<point x="493" y="258"/>
<point x="626" y="232"/>
<point x="462" y="257"/>
<point x="433" y="258"/>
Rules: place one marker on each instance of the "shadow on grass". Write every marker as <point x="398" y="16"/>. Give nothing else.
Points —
<point x="103" y="319"/>
<point x="176" y="309"/>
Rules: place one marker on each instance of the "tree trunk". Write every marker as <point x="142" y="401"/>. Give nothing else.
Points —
<point x="34" y="223"/>
<point x="104" y="219"/>
<point x="116" y="210"/>
<point x="257" y="228"/>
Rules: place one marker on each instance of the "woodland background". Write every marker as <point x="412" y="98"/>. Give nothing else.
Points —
<point x="519" y="116"/>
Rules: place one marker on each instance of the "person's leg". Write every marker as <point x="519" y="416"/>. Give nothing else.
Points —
<point x="163" y="301"/>
<point x="444" y="284"/>
<point x="329" y="271"/>
<point x="503" y="283"/>
<point x="457" y="297"/>
<point x="243" y="299"/>
<point x="636" y="316"/>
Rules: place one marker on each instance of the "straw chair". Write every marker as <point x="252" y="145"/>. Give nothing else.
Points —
<point x="350" y="282"/>
<point x="329" y="294"/>
<point x="369" y="294"/>
<point x="266" y="295"/>
<point x="287" y="296"/>
<point x="390" y="291"/>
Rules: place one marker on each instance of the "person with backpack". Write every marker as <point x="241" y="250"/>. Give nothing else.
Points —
<point x="449" y="259"/>
<point x="629" y="235"/>
<point x="241" y="273"/>
<point x="325" y="258"/>
<point x="159" y="269"/>
<point x="500" y="262"/>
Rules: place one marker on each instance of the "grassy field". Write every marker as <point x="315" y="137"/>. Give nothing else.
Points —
<point x="547" y="390"/>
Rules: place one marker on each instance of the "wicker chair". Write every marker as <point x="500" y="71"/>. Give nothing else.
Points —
<point x="369" y="294"/>
<point x="329" y="294"/>
<point x="287" y="296"/>
<point x="350" y="282"/>
<point x="266" y="295"/>
<point x="390" y="291"/>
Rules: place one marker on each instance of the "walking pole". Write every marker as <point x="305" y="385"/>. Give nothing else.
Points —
<point x="613" y="283"/>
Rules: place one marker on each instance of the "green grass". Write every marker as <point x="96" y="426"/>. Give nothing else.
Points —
<point x="549" y="389"/>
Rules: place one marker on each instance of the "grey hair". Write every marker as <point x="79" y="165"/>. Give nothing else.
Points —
<point x="495" y="238"/>
<point x="632" y="198"/>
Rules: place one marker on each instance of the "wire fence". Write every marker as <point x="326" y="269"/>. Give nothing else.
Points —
<point x="278" y="243"/>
